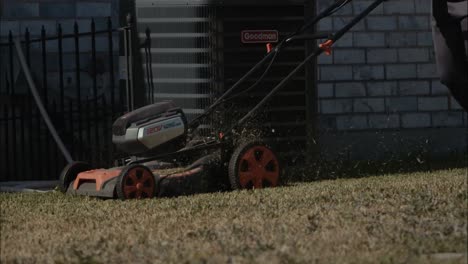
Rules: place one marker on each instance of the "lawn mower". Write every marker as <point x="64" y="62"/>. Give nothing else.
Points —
<point x="163" y="153"/>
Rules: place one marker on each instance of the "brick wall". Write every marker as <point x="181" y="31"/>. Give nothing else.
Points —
<point x="382" y="76"/>
<point x="32" y="14"/>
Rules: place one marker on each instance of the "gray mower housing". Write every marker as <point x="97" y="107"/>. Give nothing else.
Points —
<point x="156" y="128"/>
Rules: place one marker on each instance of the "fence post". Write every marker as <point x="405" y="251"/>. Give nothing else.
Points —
<point x="45" y="92"/>
<point x="27" y="44"/>
<point x="12" y="70"/>
<point x="11" y="93"/>
<point x="7" y="142"/>
<point x="44" y="67"/>
<point x="111" y="65"/>
<point x="127" y="62"/>
<point x="95" y="101"/>
<point x="130" y="81"/>
<point x="88" y="129"/>
<point x="78" y="88"/>
<point x="70" y="118"/>
<point x="60" y="55"/>
<point x="147" y="46"/>
<point x="23" y="138"/>
<point x="34" y="167"/>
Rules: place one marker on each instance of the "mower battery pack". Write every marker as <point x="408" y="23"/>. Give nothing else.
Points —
<point x="149" y="128"/>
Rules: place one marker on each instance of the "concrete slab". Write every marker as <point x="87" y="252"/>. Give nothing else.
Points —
<point x="28" y="186"/>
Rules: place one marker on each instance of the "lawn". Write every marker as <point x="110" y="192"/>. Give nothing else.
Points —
<point x="403" y="218"/>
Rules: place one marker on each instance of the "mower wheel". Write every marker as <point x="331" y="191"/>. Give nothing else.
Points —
<point x="70" y="172"/>
<point x="135" y="182"/>
<point x="253" y="165"/>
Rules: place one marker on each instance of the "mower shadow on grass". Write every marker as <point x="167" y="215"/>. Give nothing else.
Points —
<point x="343" y="169"/>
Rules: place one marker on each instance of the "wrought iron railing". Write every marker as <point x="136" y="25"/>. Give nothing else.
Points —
<point x="81" y="99"/>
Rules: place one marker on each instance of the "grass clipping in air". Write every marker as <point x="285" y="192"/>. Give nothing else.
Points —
<point x="403" y="218"/>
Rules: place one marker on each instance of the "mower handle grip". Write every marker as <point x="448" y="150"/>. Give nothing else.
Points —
<point x="323" y="35"/>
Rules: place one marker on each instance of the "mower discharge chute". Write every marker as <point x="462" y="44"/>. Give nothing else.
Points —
<point x="164" y="160"/>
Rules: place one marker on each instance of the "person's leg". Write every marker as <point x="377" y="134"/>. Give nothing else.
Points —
<point x="449" y="43"/>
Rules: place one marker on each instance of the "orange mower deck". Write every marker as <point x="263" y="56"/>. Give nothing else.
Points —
<point x="103" y="182"/>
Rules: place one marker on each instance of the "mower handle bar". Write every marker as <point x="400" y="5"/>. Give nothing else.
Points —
<point x="317" y="52"/>
<point x="305" y="27"/>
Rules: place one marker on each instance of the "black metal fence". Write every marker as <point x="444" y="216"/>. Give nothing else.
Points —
<point x="81" y="98"/>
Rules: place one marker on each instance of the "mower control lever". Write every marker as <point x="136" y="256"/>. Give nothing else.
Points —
<point x="327" y="47"/>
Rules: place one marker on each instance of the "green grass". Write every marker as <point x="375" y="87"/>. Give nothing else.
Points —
<point x="403" y="218"/>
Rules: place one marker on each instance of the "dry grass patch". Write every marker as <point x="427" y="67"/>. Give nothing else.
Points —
<point x="395" y="218"/>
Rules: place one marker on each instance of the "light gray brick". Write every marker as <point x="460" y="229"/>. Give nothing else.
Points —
<point x="93" y="9"/>
<point x="414" y="87"/>
<point x="359" y="6"/>
<point x="57" y="10"/>
<point x="20" y="9"/>
<point x="84" y="25"/>
<point x="383" y="121"/>
<point x="7" y="26"/>
<point x="68" y="45"/>
<point x="433" y="103"/>
<point x="102" y="44"/>
<point x="386" y="88"/>
<point x="369" y="105"/>
<point x="385" y="23"/>
<point x="350" y="89"/>
<point x="401" y="39"/>
<point x="368" y="72"/>
<point x="353" y="122"/>
<point x="325" y="24"/>
<point x="400" y="71"/>
<point x="85" y="44"/>
<point x="345" y="11"/>
<point x="332" y="73"/>
<point x="325" y="59"/>
<point x="425" y="39"/>
<point x="35" y="27"/>
<point x="416" y="120"/>
<point x="399" y="7"/>
<point x="340" y="22"/>
<point x="427" y="70"/>
<point x="373" y="39"/>
<point x="337" y="106"/>
<point x="438" y="88"/>
<point x="36" y="49"/>
<point x="447" y="119"/>
<point x="349" y="56"/>
<point x="325" y="90"/>
<point x="382" y="55"/>
<point x="326" y="122"/>
<point x="413" y="22"/>
<point x="346" y="41"/>
<point x="422" y="7"/>
<point x="68" y="61"/>
<point x="401" y="104"/>
<point x="322" y="4"/>
<point x="413" y="55"/>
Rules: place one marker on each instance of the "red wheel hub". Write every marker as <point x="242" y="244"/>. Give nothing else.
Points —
<point x="138" y="183"/>
<point x="258" y="166"/>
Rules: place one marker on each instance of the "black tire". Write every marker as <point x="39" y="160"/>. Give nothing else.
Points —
<point x="135" y="182"/>
<point x="70" y="172"/>
<point x="263" y="166"/>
